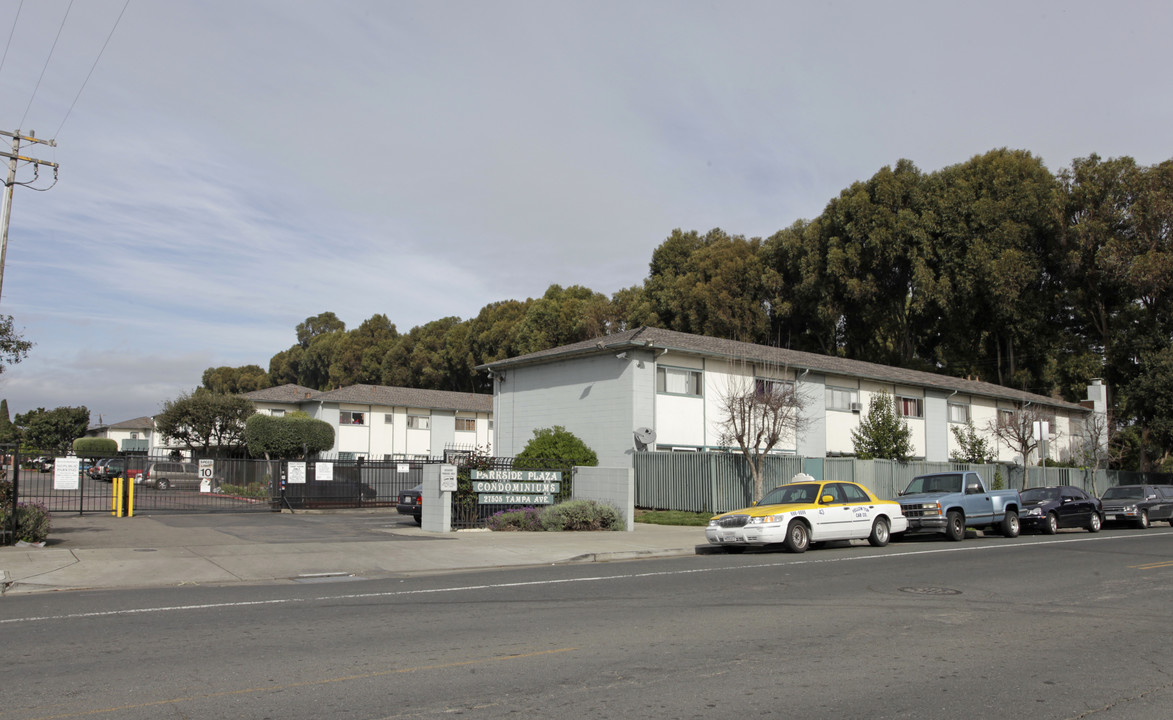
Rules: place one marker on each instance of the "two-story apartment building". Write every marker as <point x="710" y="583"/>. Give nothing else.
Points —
<point x="380" y="422"/>
<point x="672" y="383"/>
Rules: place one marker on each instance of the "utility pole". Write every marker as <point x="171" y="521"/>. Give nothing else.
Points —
<point x="6" y="208"/>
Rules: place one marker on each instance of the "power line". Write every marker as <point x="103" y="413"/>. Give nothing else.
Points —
<point x="12" y="32"/>
<point x="92" y="67"/>
<point x="47" y="59"/>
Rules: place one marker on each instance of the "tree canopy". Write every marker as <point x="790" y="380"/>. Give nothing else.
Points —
<point x="290" y="436"/>
<point x="206" y="422"/>
<point x="52" y="430"/>
<point x="994" y="268"/>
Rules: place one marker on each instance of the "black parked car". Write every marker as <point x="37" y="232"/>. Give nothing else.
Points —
<point x="1138" y="504"/>
<point x="1060" y="506"/>
<point x="410" y="503"/>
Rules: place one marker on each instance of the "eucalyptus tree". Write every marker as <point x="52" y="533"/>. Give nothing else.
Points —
<point x="996" y="228"/>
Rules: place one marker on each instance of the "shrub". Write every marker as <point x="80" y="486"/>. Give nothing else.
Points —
<point x="556" y="443"/>
<point x="572" y="515"/>
<point x="32" y="522"/>
<point x="581" y="515"/>
<point x="252" y="490"/>
<point x="527" y="518"/>
<point x="95" y="447"/>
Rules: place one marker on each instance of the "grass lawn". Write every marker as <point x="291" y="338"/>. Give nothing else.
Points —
<point x="672" y="517"/>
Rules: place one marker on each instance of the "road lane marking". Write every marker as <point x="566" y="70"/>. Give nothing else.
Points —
<point x="1152" y="566"/>
<point x="303" y="684"/>
<point x="807" y="560"/>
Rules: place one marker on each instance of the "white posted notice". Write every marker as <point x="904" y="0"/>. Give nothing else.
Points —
<point x="66" y="471"/>
<point x="296" y="473"/>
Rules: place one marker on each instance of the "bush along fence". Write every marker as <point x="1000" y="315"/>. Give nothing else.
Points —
<point x="720" y="482"/>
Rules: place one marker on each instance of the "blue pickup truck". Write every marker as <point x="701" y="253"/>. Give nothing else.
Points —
<point x="949" y="502"/>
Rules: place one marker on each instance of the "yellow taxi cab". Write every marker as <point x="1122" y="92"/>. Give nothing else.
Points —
<point x="800" y="513"/>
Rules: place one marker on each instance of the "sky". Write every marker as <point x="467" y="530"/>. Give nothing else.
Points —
<point x="229" y="168"/>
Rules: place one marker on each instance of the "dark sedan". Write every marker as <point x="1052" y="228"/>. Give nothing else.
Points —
<point x="1138" y="504"/>
<point x="410" y="503"/>
<point x="1048" y="509"/>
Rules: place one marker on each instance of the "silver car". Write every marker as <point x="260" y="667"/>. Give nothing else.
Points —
<point x="169" y="474"/>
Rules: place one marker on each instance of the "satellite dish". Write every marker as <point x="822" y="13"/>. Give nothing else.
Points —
<point x="644" y="437"/>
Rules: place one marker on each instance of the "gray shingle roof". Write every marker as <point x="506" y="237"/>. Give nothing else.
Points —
<point x="289" y="393"/>
<point x="138" y="423"/>
<point x="660" y="339"/>
<point x="408" y="397"/>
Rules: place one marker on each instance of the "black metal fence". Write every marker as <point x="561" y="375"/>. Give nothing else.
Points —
<point x="165" y="484"/>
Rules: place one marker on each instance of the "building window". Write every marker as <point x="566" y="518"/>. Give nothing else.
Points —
<point x="466" y="424"/>
<point x="958" y="413"/>
<point x="842" y="399"/>
<point x="277" y="412"/>
<point x="419" y="422"/>
<point x="778" y="388"/>
<point x="388" y="419"/>
<point x="674" y="381"/>
<point x="910" y="407"/>
<point x="134" y="436"/>
<point x="351" y="418"/>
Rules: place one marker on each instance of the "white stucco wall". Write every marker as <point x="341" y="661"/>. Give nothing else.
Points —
<point x="590" y="397"/>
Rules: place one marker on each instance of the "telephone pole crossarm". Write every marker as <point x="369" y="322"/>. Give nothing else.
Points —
<point x="15" y="157"/>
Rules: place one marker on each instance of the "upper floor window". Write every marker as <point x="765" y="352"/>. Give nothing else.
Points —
<point x="958" y="413"/>
<point x="842" y="398"/>
<point x="134" y="436"/>
<point x="466" y="424"/>
<point x="388" y="419"/>
<point x="351" y="418"/>
<point x="277" y="412"/>
<point x="764" y="387"/>
<point x="419" y="422"/>
<point x="677" y="381"/>
<point x="910" y="407"/>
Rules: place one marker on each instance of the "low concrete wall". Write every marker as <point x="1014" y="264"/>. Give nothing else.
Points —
<point x="614" y="486"/>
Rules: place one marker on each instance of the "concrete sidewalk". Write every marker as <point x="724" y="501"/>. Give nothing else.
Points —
<point x="99" y="551"/>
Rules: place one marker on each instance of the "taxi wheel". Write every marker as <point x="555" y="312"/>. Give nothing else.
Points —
<point x="880" y="534"/>
<point x="798" y="538"/>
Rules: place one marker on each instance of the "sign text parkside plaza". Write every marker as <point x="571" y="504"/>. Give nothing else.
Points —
<point x="516" y="487"/>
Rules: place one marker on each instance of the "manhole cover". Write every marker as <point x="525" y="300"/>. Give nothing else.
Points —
<point x="930" y="591"/>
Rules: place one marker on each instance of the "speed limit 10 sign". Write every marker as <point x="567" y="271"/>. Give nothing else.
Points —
<point x="207" y="469"/>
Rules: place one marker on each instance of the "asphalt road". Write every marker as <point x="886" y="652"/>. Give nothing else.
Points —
<point x="1075" y="626"/>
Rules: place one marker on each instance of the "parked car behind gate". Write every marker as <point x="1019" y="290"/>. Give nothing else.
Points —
<point x="1062" y="506"/>
<point x="167" y="475"/>
<point x="410" y="503"/>
<point x="122" y="467"/>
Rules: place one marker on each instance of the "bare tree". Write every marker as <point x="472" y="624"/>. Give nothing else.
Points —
<point x="1016" y="429"/>
<point x="1092" y="447"/>
<point x="756" y="413"/>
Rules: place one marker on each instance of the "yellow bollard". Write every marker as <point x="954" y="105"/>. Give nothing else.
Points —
<point x="130" y="498"/>
<point x="117" y="497"/>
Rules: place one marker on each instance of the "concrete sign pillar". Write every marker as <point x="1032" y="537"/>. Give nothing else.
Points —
<point x="436" y="513"/>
